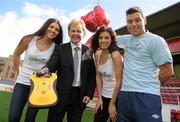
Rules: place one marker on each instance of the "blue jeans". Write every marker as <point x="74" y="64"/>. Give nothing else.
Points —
<point x="19" y="98"/>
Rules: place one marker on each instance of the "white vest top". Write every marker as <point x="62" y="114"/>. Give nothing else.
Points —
<point x="108" y="76"/>
<point x="34" y="60"/>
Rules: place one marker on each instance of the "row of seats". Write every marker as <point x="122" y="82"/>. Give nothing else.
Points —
<point x="172" y="82"/>
<point x="170" y="95"/>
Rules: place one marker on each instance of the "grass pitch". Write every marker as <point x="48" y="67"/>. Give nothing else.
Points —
<point x="5" y="98"/>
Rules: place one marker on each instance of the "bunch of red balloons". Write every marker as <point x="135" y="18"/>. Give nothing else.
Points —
<point x="95" y="19"/>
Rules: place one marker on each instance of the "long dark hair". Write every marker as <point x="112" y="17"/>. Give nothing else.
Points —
<point x="95" y="39"/>
<point x="42" y="31"/>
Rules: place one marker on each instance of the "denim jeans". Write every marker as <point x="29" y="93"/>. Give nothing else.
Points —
<point x="19" y="98"/>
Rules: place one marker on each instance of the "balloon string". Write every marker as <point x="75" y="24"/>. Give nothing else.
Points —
<point x="98" y="2"/>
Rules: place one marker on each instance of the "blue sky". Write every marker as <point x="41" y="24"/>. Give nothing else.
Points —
<point x="21" y="17"/>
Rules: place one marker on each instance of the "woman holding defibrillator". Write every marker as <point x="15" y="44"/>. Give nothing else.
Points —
<point x="38" y="48"/>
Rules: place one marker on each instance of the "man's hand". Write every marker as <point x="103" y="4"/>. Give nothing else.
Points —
<point x="165" y="72"/>
<point x="44" y="72"/>
<point x="86" y="100"/>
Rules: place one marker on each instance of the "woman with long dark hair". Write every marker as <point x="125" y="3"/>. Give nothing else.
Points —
<point x="108" y="73"/>
<point x="38" y="48"/>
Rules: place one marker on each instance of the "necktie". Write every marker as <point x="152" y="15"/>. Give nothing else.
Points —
<point x="76" y="63"/>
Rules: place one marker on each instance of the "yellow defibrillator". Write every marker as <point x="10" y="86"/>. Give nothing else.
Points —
<point x="43" y="90"/>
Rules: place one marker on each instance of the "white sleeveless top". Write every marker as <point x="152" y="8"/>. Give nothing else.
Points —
<point x="34" y="60"/>
<point x="108" y="77"/>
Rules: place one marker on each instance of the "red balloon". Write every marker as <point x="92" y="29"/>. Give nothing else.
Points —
<point x="95" y="19"/>
<point x="90" y="22"/>
<point x="101" y="16"/>
<point x="89" y="41"/>
<point x="91" y="27"/>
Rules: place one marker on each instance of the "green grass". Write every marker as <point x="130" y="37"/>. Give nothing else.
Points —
<point x="5" y="98"/>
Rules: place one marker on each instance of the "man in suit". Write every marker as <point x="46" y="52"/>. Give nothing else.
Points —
<point x="74" y="88"/>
